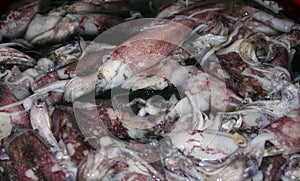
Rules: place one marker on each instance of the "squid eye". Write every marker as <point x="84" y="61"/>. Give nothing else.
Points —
<point x="39" y="102"/>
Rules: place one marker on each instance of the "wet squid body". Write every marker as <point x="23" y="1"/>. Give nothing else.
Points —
<point x="198" y="93"/>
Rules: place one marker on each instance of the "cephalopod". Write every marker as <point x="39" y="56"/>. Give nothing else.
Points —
<point x="138" y="53"/>
<point x="31" y="157"/>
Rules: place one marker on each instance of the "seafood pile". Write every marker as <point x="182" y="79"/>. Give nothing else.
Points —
<point x="149" y="90"/>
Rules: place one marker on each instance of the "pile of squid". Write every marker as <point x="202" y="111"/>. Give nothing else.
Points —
<point x="145" y="90"/>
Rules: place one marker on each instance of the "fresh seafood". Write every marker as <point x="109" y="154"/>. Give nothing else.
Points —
<point x="149" y="90"/>
<point x="40" y="120"/>
<point x="13" y="56"/>
<point x="32" y="161"/>
<point x="61" y="57"/>
<point x="64" y="128"/>
<point x="15" y="23"/>
<point x="64" y="27"/>
<point x="16" y="114"/>
<point x="124" y="61"/>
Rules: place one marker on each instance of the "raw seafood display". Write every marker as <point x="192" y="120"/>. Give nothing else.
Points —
<point x="149" y="90"/>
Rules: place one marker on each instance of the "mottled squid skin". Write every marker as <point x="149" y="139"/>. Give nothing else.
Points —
<point x="286" y="131"/>
<point x="55" y="26"/>
<point x="122" y="123"/>
<point x="61" y="74"/>
<point x="64" y="128"/>
<point x="142" y="51"/>
<point x="271" y="167"/>
<point x="254" y="82"/>
<point x="13" y="56"/>
<point x="15" y="23"/>
<point x="115" y="163"/>
<point x="18" y="115"/>
<point x="86" y="76"/>
<point x="67" y="26"/>
<point x="158" y="77"/>
<point x="212" y="90"/>
<point x="149" y="43"/>
<point x="94" y="166"/>
<point x="91" y="126"/>
<point x="8" y="172"/>
<point x="31" y="158"/>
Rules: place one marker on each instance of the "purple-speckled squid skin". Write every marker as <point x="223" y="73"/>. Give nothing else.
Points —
<point x="9" y="172"/>
<point x="21" y="118"/>
<point x="64" y="73"/>
<point x="142" y="51"/>
<point x="119" y="122"/>
<point x="208" y="86"/>
<point x="54" y="27"/>
<point x="32" y="161"/>
<point x="15" y="23"/>
<point x="112" y="120"/>
<point x="271" y="167"/>
<point x="238" y="110"/>
<point x="146" y="44"/>
<point x="248" y="81"/>
<point x="286" y="132"/>
<point x="121" y="164"/>
<point x="64" y="128"/>
<point x="13" y="56"/>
